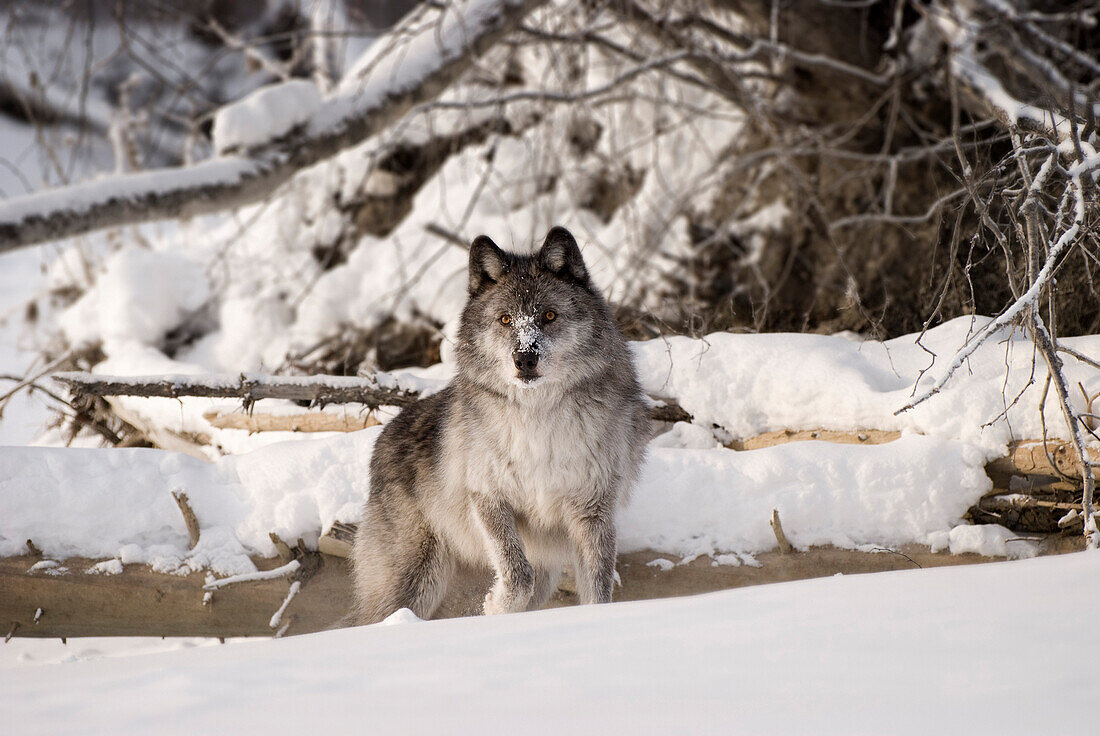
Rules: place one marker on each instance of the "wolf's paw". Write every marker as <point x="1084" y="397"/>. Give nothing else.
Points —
<point x="508" y="599"/>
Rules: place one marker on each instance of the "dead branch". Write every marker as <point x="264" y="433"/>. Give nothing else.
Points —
<point x="189" y="519"/>
<point x="1047" y="347"/>
<point x="785" y="546"/>
<point x="318" y="390"/>
<point x="372" y="391"/>
<point x="1019" y="501"/>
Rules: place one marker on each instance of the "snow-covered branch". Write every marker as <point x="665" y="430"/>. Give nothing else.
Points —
<point x="411" y="65"/>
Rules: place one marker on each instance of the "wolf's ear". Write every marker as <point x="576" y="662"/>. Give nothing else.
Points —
<point x="561" y="256"/>
<point x="487" y="263"/>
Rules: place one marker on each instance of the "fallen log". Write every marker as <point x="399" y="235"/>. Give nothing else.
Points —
<point x="140" y="602"/>
<point x="315" y="421"/>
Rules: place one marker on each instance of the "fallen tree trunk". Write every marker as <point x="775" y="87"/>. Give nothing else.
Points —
<point x="139" y="602"/>
<point x="316" y="421"/>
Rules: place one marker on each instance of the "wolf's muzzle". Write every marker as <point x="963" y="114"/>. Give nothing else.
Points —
<point x="526" y="364"/>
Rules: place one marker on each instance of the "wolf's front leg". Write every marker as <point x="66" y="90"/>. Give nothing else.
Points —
<point x="515" y="578"/>
<point x="593" y="533"/>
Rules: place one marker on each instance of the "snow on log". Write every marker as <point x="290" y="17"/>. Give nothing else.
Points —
<point x="277" y="617"/>
<point x="411" y="65"/>
<point x="289" y="568"/>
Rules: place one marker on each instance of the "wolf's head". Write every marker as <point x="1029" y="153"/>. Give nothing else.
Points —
<point x="533" y="320"/>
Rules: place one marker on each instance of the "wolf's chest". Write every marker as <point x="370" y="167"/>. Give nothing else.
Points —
<point x="543" y="455"/>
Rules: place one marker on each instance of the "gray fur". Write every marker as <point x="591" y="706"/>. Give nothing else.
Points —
<point x="520" y="463"/>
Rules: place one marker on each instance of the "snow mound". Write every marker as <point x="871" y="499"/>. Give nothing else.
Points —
<point x="118" y="503"/>
<point x="140" y="296"/>
<point x="751" y="384"/>
<point x="990" y="540"/>
<point x="265" y="115"/>
<point x="696" y="502"/>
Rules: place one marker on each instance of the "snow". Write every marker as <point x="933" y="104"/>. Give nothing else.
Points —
<point x="141" y="295"/>
<point x="277" y="617"/>
<point x="278" y="572"/>
<point x="265" y="115"/>
<point x="748" y="384"/>
<point x="80" y="198"/>
<point x="20" y="281"/>
<point x="422" y="45"/>
<point x="22" y="652"/>
<point x="913" y="652"/>
<point x="991" y="540"/>
<point x="107" y="567"/>
<point x="692" y="502"/>
<point x="117" y="503"/>
<point x="694" y="497"/>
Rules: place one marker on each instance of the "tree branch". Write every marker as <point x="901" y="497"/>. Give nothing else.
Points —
<point x="423" y="55"/>
<point x="247" y="386"/>
<point x="373" y="391"/>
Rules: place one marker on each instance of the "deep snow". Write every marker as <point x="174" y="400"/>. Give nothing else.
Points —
<point x="987" y="649"/>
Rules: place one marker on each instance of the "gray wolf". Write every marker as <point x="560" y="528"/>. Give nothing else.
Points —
<point x="520" y="462"/>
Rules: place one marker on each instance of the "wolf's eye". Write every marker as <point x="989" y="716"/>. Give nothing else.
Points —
<point x="550" y="315"/>
<point x="505" y="319"/>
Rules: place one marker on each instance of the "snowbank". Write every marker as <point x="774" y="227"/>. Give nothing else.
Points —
<point x="696" y="502"/>
<point x="915" y="652"/>
<point x="751" y="384"/>
<point x="117" y="503"/>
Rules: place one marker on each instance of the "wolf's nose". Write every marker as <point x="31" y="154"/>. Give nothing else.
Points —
<point x="526" y="361"/>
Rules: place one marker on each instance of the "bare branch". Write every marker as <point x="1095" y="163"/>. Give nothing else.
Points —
<point x="1049" y="350"/>
<point x="247" y="386"/>
<point x="378" y="390"/>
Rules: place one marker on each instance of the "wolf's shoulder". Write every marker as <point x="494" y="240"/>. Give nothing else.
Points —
<point x="417" y="430"/>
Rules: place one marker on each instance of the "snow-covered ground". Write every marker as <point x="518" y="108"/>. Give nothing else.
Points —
<point x="989" y="649"/>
